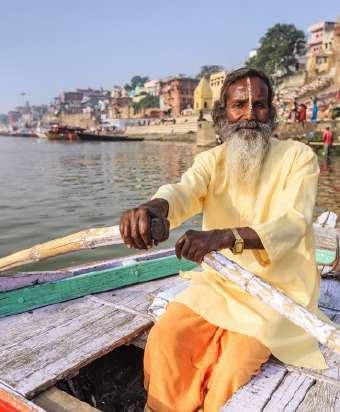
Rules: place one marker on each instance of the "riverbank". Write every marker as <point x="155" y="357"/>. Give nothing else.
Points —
<point x="190" y="137"/>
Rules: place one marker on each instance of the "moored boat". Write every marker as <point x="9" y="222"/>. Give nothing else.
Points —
<point x="58" y="132"/>
<point x="107" y="320"/>
<point x="93" y="137"/>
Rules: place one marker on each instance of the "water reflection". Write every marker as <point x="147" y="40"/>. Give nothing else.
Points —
<point x="51" y="189"/>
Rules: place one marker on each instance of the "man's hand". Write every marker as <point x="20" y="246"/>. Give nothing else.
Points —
<point x="195" y="244"/>
<point x="135" y="224"/>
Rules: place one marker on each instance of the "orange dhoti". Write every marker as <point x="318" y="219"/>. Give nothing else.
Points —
<point x="191" y="364"/>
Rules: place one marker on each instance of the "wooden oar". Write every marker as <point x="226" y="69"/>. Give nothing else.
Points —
<point x="326" y="333"/>
<point x="86" y="239"/>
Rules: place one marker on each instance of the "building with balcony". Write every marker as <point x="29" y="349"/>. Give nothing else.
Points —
<point x="152" y="87"/>
<point x="320" y="49"/>
<point x="177" y="94"/>
<point x="216" y="82"/>
<point x="336" y="42"/>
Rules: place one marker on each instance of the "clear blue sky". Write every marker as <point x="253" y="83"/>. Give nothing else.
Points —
<point x="47" y="46"/>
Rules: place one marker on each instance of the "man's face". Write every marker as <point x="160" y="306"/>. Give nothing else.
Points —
<point x="247" y="99"/>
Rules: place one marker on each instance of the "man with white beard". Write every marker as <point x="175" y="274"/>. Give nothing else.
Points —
<point x="257" y="195"/>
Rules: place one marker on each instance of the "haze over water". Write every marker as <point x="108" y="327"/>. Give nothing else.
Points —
<point x="52" y="189"/>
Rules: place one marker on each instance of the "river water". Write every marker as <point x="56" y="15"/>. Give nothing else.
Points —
<point x="50" y="189"/>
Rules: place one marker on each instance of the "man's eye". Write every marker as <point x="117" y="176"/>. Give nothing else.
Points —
<point x="259" y="105"/>
<point x="238" y="105"/>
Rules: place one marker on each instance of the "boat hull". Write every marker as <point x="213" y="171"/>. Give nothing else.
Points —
<point x="108" y="138"/>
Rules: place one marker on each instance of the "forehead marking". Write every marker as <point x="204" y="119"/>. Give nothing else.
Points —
<point x="250" y="94"/>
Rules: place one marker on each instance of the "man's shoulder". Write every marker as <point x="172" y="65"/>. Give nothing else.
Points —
<point x="291" y="148"/>
<point x="212" y="155"/>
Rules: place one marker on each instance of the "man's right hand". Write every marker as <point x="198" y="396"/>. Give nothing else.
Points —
<point x="135" y="224"/>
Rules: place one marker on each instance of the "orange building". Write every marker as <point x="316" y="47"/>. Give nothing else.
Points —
<point x="177" y="94"/>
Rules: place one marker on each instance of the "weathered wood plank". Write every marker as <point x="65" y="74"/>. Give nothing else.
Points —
<point x="140" y="296"/>
<point x="331" y="375"/>
<point x="322" y="397"/>
<point x="55" y="400"/>
<point x="258" y="391"/>
<point x="50" y="325"/>
<point x="290" y="393"/>
<point x="21" y="300"/>
<point x="11" y="400"/>
<point x="89" y="330"/>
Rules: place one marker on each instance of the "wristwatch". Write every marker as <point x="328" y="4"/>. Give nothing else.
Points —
<point x="238" y="244"/>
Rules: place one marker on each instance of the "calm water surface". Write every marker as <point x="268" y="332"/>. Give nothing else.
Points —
<point x="51" y="189"/>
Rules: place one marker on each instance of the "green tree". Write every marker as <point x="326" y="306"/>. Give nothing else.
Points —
<point x="136" y="81"/>
<point x="279" y="49"/>
<point x="208" y="69"/>
<point x="149" y="101"/>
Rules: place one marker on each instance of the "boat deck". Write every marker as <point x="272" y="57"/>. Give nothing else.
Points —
<point x="45" y="345"/>
<point x="51" y="343"/>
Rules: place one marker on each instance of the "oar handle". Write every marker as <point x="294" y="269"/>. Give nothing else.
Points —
<point x="86" y="239"/>
<point x="159" y="229"/>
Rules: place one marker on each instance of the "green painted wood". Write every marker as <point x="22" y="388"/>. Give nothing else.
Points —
<point x="32" y="297"/>
<point x="325" y="257"/>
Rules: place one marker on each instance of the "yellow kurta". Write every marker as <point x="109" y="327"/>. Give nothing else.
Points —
<point x="281" y="214"/>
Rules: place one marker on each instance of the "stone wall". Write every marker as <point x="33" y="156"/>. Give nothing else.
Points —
<point x="206" y="133"/>
<point x="84" y="120"/>
<point x="295" y="130"/>
<point x="163" y="129"/>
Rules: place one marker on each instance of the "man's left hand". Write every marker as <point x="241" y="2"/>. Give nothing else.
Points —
<point x="195" y="244"/>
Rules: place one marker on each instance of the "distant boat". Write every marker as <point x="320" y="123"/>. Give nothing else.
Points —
<point x="63" y="133"/>
<point x="108" y="138"/>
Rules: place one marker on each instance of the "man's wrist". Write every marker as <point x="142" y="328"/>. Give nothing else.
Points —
<point x="157" y="207"/>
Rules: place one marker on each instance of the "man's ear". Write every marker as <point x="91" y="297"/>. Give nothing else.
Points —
<point x="272" y="115"/>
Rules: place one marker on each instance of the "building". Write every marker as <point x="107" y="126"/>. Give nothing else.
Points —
<point x="203" y="96"/>
<point x="216" y="82"/>
<point x="177" y="94"/>
<point x="72" y="98"/>
<point x="320" y="50"/>
<point x="120" y="108"/>
<point x="336" y="42"/>
<point x="152" y="87"/>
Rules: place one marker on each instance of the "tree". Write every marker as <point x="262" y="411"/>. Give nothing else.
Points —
<point x="149" y="101"/>
<point x="279" y="49"/>
<point x="136" y="81"/>
<point x="207" y="70"/>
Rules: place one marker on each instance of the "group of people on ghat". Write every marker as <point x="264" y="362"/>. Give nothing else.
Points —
<point x="256" y="194"/>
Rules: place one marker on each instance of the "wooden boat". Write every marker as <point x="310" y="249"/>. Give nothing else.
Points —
<point x="92" y="137"/>
<point x="42" y="346"/>
<point x="63" y="133"/>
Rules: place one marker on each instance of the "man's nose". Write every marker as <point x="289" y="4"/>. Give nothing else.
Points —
<point x="249" y="113"/>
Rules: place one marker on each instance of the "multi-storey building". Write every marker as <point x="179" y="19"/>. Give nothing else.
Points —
<point x="152" y="87"/>
<point x="216" y="81"/>
<point x="336" y="43"/>
<point x="177" y="94"/>
<point x="320" y="49"/>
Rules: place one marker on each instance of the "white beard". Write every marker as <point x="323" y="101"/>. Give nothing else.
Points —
<point x="246" y="152"/>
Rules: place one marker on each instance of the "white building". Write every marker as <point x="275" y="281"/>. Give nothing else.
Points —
<point x="152" y="87"/>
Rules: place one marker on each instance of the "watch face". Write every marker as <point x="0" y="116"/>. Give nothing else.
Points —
<point x="239" y="247"/>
